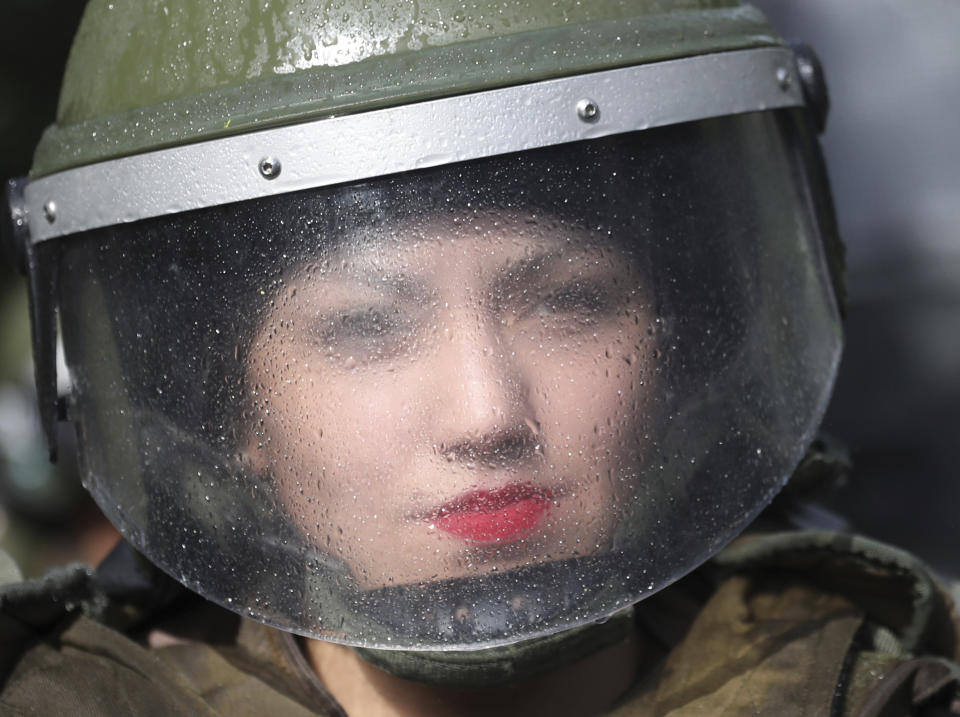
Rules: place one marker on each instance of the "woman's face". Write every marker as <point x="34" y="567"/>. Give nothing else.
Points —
<point x="454" y="398"/>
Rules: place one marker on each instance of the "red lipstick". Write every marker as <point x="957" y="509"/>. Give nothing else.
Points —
<point x="504" y="515"/>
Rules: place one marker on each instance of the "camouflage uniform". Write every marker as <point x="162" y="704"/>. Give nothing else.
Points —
<point x="784" y="623"/>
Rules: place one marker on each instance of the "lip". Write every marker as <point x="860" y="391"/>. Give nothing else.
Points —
<point x="503" y="515"/>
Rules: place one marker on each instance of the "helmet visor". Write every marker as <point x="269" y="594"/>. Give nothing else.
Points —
<point x="466" y="405"/>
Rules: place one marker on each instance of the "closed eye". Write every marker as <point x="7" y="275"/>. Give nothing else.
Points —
<point x="367" y="335"/>
<point x="368" y="323"/>
<point x="575" y="297"/>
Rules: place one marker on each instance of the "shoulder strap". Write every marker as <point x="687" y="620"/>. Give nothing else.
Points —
<point x="124" y="591"/>
<point x="30" y="608"/>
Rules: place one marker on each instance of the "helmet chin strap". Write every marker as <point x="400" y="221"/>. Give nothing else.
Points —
<point x="504" y="665"/>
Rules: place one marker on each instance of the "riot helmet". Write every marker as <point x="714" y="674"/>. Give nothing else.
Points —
<point x="433" y="326"/>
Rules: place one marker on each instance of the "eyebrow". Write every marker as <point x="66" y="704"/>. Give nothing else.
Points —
<point x="524" y="269"/>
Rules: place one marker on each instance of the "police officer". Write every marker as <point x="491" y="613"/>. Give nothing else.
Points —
<point x="439" y="336"/>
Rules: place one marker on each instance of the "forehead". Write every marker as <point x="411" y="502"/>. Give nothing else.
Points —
<point x="483" y="242"/>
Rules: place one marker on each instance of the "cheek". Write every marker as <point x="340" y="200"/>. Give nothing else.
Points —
<point x="594" y="392"/>
<point x="347" y="424"/>
<point x="591" y="431"/>
<point x="335" y="448"/>
<point x="590" y="419"/>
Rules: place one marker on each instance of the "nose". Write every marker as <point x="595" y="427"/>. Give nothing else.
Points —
<point x="502" y="446"/>
<point x="484" y="412"/>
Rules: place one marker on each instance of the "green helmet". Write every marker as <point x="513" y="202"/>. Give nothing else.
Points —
<point x="433" y="325"/>
<point x="147" y="75"/>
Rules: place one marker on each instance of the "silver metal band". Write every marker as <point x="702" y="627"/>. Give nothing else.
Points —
<point x="398" y="139"/>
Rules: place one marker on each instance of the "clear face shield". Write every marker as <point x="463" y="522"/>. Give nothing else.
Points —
<point x="466" y="405"/>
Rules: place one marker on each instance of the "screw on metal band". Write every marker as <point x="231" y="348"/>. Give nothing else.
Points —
<point x="50" y="211"/>
<point x="588" y="110"/>
<point x="270" y="167"/>
<point x="784" y="78"/>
